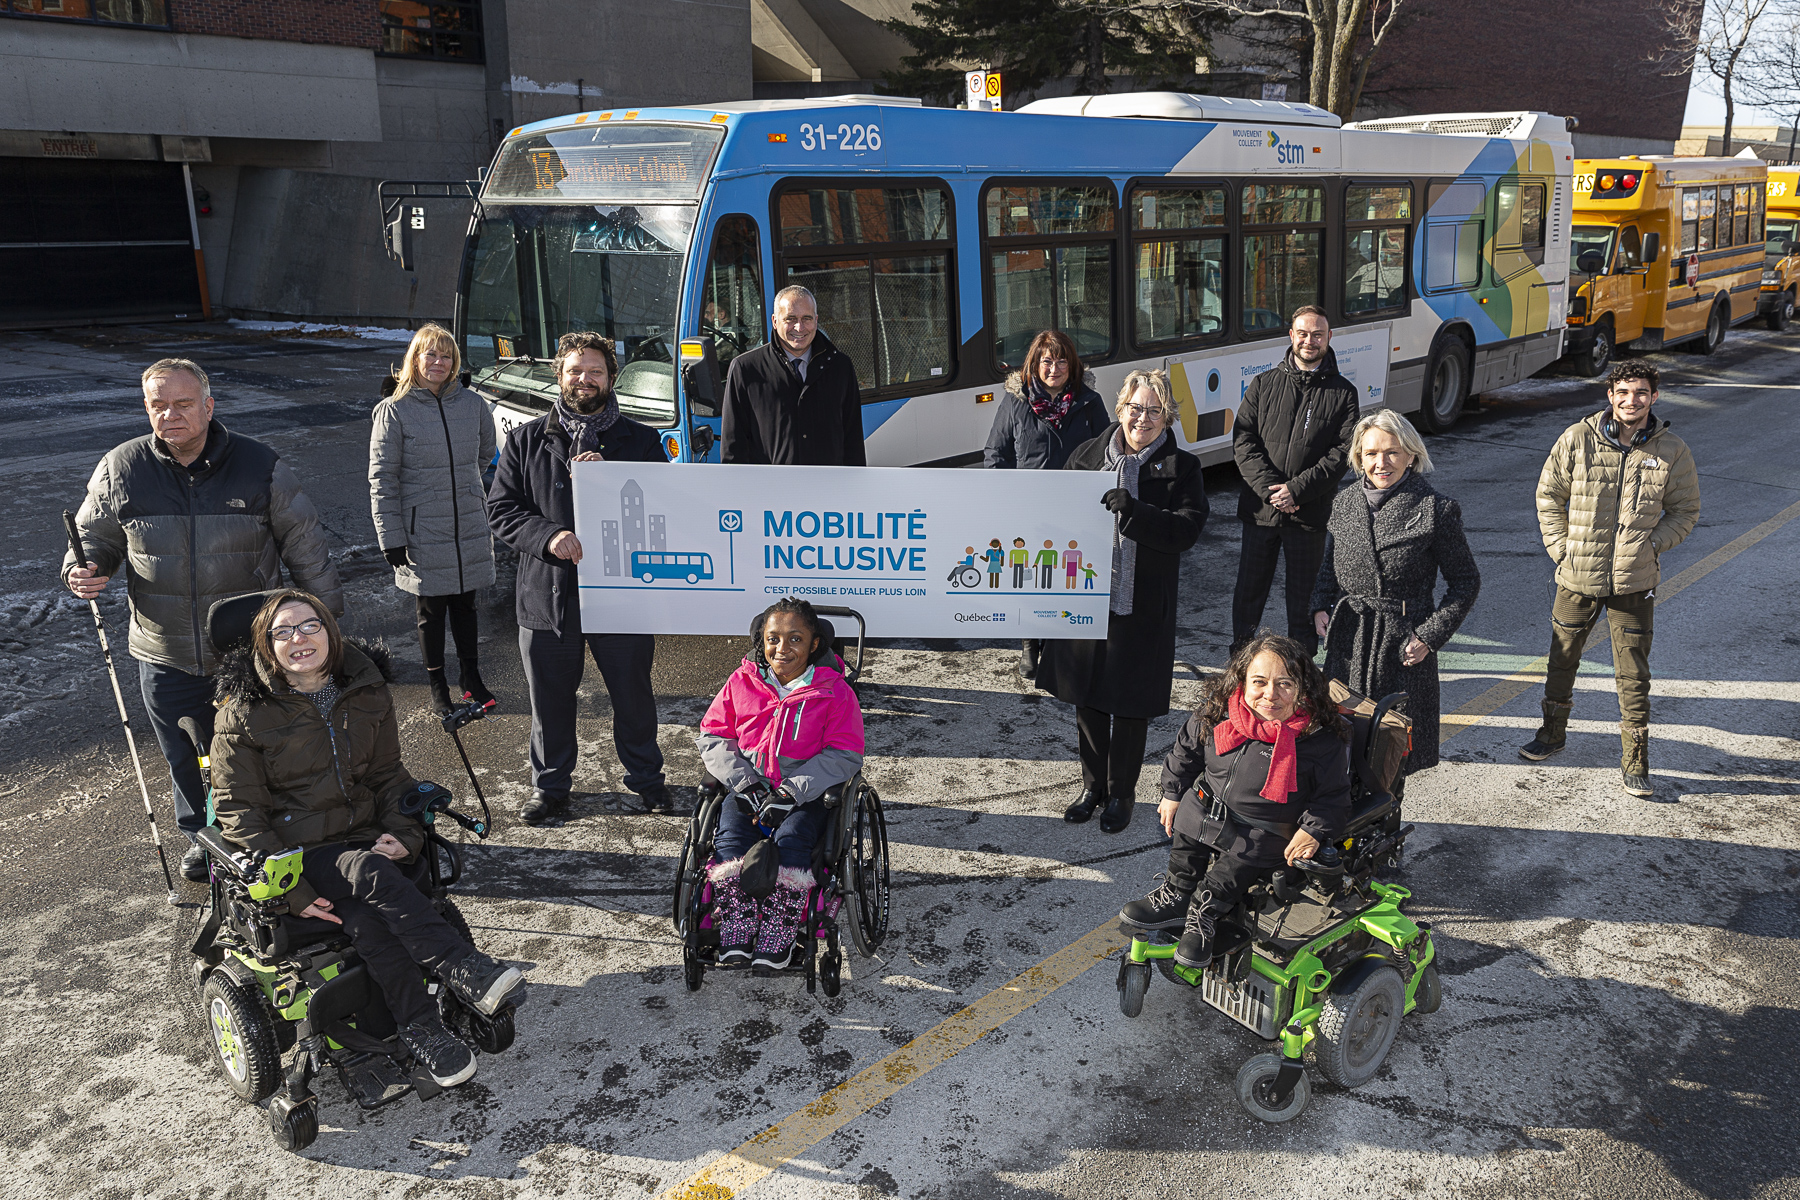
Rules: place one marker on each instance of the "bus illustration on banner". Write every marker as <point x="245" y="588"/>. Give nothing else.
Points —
<point x="651" y="566"/>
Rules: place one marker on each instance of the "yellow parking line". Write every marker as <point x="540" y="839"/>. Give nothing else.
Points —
<point x="1516" y="685"/>
<point x="765" y="1153"/>
<point x="732" y="1173"/>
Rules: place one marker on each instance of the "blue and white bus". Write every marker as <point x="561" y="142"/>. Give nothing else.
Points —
<point x="1156" y="229"/>
<point x="651" y="565"/>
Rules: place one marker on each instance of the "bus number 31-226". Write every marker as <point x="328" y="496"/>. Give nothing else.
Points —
<point x="847" y="137"/>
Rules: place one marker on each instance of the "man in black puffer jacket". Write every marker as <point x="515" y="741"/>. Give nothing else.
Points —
<point x="1291" y="439"/>
<point x="195" y="515"/>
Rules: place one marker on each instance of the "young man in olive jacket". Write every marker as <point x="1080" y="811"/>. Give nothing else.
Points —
<point x="531" y="507"/>
<point x="795" y="401"/>
<point x="1291" y="440"/>
<point x="1617" y="492"/>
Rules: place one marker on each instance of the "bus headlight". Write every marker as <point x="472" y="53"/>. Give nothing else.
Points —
<point x="1578" y="308"/>
<point x="1771" y="277"/>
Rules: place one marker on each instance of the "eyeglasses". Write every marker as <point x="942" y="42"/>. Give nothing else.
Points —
<point x="282" y="633"/>
<point x="1050" y="360"/>
<point x="1139" y="413"/>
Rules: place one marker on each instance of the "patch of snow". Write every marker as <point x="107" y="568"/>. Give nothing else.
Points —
<point x="374" y="333"/>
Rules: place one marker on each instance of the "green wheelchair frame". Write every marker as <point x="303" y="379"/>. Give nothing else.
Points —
<point x="1339" y="989"/>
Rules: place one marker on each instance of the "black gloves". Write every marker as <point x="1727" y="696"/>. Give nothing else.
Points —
<point x="1118" y="501"/>
<point x="396" y="556"/>
<point x="771" y="805"/>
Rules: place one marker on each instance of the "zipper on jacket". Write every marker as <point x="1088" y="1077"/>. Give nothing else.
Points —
<point x="455" y="499"/>
<point x="194" y="574"/>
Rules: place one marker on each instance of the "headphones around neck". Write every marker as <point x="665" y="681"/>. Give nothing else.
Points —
<point x="1610" y="427"/>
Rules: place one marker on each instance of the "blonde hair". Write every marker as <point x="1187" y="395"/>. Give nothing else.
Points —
<point x="168" y="366"/>
<point x="1392" y="423"/>
<point x="1156" y="381"/>
<point x="411" y="374"/>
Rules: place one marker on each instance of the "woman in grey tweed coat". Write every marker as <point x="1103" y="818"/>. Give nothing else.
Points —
<point x="1389" y="537"/>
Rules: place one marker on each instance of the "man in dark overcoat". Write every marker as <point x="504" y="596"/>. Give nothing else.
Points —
<point x="795" y="401"/>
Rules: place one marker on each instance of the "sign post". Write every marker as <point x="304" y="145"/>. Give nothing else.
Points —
<point x="920" y="552"/>
<point x="983" y="90"/>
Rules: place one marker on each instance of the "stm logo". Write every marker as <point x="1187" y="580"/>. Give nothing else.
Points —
<point x="1288" y="154"/>
<point x="1078" y="619"/>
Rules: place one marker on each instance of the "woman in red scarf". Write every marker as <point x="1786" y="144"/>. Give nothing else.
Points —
<point x="1274" y="751"/>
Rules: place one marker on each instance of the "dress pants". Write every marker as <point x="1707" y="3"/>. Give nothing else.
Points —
<point x="391" y="922"/>
<point x="169" y="695"/>
<point x="1112" y="751"/>
<point x="554" y="664"/>
<point x="1304" y="550"/>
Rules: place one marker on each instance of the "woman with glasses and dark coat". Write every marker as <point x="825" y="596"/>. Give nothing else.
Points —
<point x="1049" y="409"/>
<point x="1118" y="684"/>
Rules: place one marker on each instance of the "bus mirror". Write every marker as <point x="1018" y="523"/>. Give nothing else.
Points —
<point x="700" y="376"/>
<point x="700" y="441"/>
<point x="1652" y="247"/>
<point x="408" y="219"/>
<point x="1790" y="248"/>
<point x="1590" y="262"/>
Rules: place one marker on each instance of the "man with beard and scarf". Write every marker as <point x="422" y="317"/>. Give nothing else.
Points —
<point x="532" y="509"/>
<point x="1291" y="440"/>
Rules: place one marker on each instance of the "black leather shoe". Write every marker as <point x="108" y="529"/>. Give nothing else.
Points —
<point x="193" y="864"/>
<point x="543" y="806"/>
<point x="656" y="799"/>
<point x="1117" y="814"/>
<point x="1079" y="812"/>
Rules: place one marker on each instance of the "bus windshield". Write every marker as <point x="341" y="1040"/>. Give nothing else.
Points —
<point x="1590" y="237"/>
<point x="1780" y="233"/>
<point x="538" y="271"/>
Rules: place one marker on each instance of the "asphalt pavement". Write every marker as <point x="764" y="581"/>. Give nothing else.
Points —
<point x="1619" y="979"/>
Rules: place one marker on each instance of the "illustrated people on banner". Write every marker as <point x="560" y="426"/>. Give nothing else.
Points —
<point x="1020" y="558"/>
<point x="1071" y="564"/>
<point x="996" y="558"/>
<point x="1046" y="564"/>
<point x="1087" y="576"/>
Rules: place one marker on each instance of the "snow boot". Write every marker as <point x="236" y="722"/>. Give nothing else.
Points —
<point x="734" y="914"/>
<point x="1634" y="762"/>
<point x="1552" y="735"/>
<point x="783" y="912"/>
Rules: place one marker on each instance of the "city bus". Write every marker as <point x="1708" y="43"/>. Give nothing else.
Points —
<point x="651" y="565"/>
<point x="1155" y="229"/>
<point x="1665" y="250"/>
<point x="1781" y="248"/>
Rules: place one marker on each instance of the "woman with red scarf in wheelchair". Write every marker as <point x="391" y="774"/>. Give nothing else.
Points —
<point x="784" y="730"/>
<point x="1259" y="778"/>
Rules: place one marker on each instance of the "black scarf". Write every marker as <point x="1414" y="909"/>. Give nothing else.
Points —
<point x="584" y="429"/>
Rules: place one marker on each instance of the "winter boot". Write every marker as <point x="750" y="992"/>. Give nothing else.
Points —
<point x="1195" y="950"/>
<point x="441" y="703"/>
<point x="438" y="1052"/>
<point x="734" y="914"/>
<point x="472" y="688"/>
<point x="783" y="912"/>
<point x="1634" y="762"/>
<point x="1166" y="907"/>
<point x="1552" y="735"/>
<point x="485" y="984"/>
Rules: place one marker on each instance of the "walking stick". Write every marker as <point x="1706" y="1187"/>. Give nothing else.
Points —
<point x="124" y="717"/>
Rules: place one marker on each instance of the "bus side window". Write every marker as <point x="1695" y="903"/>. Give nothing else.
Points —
<point x="1375" y="254"/>
<point x="731" y="295"/>
<point x="1741" y="225"/>
<point x="1690" y="221"/>
<point x="1049" y="258"/>
<point x="1281" y="264"/>
<point x="1709" y="198"/>
<point x="1631" y="248"/>
<point x="1178" y="275"/>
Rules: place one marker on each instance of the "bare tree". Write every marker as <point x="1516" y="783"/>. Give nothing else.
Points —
<point x="1711" y="35"/>
<point x="1770" y="71"/>
<point x="1344" y="35"/>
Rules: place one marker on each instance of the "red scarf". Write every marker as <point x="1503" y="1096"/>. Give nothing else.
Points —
<point x="1053" y="410"/>
<point x="1242" y="726"/>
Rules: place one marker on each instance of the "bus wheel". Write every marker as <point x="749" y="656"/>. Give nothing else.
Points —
<point x="693" y="578"/>
<point x="1599" y="355"/>
<point x="1714" y="337"/>
<point x="1446" y="385"/>
<point x="648" y="577"/>
<point x="1783" y="313"/>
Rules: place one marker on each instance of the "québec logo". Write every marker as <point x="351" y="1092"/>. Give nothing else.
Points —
<point x="1288" y="154"/>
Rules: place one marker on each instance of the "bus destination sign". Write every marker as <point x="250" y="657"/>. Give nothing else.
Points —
<point x="618" y="162"/>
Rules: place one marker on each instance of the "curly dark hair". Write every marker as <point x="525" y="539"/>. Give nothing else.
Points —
<point x="801" y="608"/>
<point x="1315" y="693"/>
<point x="587" y="339"/>
<point x="1627" y="371"/>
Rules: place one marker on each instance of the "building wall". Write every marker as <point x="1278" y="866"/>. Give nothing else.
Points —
<point x="327" y="22"/>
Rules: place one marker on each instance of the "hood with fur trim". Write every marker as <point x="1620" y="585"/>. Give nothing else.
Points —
<point x="1015" y="382"/>
<point x="245" y="680"/>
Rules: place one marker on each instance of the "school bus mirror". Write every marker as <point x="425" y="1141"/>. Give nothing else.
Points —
<point x="700" y="376"/>
<point x="1590" y="262"/>
<point x="1788" y="248"/>
<point x="1652" y="247"/>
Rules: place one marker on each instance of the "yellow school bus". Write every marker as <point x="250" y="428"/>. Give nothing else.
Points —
<point x="1781" y="255"/>
<point x="1664" y="250"/>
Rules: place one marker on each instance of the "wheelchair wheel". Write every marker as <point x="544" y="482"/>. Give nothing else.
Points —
<point x="243" y="1037"/>
<point x="298" y="1129"/>
<point x="1134" y="981"/>
<point x="831" y="965"/>
<point x="866" y="870"/>
<point x="693" y="972"/>
<point x="1428" y="997"/>
<point x="1356" y="1029"/>
<point x="1255" y="1087"/>
<point x="690" y="867"/>
<point x="453" y="915"/>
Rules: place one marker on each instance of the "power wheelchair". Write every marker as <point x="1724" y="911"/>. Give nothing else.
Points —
<point x="270" y="982"/>
<point x="1320" y="957"/>
<point x="850" y="867"/>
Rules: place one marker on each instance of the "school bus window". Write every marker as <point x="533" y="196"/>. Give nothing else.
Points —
<point x="1596" y="240"/>
<point x="1708" y="199"/>
<point x="1178" y="282"/>
<point x="1780" y="234"/>
<point x="1756" y="213"/>
<point x="1741" y="224"/>
<point x="1520" y="212"/>
<point x="1631" y="248"/>
<point x="1690" y="220"/>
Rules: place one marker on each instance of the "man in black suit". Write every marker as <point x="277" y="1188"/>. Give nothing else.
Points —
<point x="794" y="401"/>
<point x="531" y="507"/>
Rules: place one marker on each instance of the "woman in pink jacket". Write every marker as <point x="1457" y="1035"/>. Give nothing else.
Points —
<point x="785" y="728"/>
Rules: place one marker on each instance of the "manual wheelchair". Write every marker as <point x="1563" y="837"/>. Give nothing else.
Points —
<point x="270" y="982"/>
<point x="1320" y="957"/>
<point x="850" y="868"/>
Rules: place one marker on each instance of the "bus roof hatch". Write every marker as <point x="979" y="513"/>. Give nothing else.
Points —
<point x="1183" y="106"/>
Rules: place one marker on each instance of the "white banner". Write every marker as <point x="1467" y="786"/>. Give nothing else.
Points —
<point x="920" y="552"/>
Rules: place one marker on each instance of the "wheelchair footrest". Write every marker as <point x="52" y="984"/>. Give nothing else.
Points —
<point x="374" y="1079"/>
